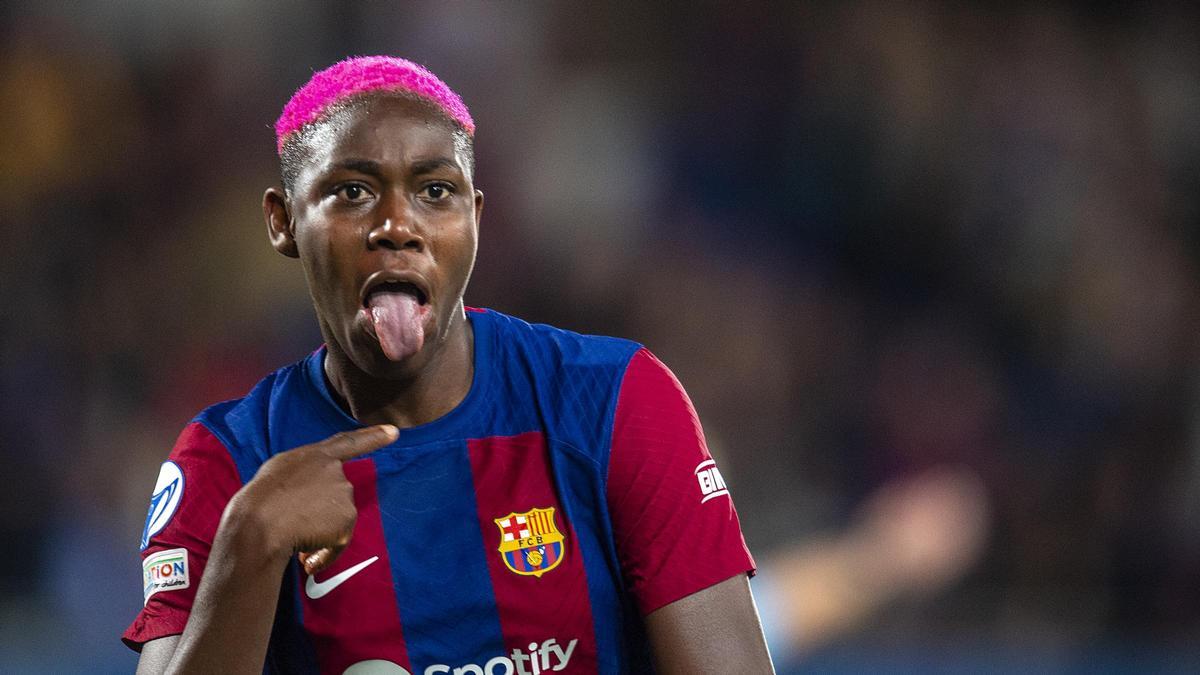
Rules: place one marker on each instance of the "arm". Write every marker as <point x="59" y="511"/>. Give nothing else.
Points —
<point x="715" y="630"/>
<point x="299" y="501"/>
<point x="156" y="655"/>
<point x="677" y="533"/>
<point x="230" y="623"/>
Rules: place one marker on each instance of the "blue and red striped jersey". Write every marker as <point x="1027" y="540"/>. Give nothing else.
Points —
<point x="527" y="531"/>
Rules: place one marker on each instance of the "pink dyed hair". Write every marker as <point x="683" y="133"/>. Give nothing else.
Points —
<point x="361" y="74"/>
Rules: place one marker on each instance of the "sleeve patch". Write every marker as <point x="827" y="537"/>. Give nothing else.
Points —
<point x="165" y="571"/>
<point x="168" y="492"/>
<point x="712" y="485"/>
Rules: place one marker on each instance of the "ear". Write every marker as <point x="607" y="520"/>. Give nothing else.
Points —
<point x="280" y="227"/>
<point x="478" y="208"/>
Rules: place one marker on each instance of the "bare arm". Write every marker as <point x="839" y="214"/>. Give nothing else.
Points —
<point x="715" y="630"/>
<point x="299" y="501"/>
<point x="156" y="655"/>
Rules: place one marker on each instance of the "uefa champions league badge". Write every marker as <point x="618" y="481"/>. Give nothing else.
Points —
<point x="168" y="492"/>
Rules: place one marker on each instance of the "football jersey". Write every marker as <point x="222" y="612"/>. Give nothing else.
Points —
<point x="527" y="531"/>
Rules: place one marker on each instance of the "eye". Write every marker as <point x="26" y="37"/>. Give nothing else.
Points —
<point x="437" y="192"/>
<point x="352" y="192"/>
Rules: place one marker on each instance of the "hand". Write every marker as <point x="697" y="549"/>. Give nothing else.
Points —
<point x="302" y="500"/>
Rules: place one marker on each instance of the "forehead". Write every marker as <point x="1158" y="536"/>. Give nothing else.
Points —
<point x="391" y="130"/>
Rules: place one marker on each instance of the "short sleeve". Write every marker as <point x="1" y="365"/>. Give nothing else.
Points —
<point x="675" y="526"/>
<point x="194" y="486"/>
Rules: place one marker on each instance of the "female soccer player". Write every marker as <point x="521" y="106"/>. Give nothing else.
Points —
<point x="437" y="489"/>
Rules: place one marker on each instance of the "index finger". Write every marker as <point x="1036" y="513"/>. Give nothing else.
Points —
<point x="351" y="444"/>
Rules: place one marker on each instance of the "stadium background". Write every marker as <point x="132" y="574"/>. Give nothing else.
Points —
<point x="874" y="241"/>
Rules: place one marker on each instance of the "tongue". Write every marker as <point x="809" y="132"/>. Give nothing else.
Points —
<point x="397" y="318"/>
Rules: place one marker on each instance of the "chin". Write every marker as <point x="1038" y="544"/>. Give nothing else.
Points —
<point x="375" y="363"/>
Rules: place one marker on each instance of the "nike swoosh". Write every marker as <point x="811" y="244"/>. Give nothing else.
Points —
<point x="316" y="589"/>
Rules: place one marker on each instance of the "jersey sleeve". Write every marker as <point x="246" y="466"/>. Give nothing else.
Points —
<point x="194" y="485"/>
<point x="675" y="526"/>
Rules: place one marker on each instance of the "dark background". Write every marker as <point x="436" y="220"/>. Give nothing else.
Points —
<point x="870" y="238"/>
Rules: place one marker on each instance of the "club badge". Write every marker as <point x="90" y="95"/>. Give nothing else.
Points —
<point x="530" y="543"/>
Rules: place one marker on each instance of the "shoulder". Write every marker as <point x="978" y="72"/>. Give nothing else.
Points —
<point x="558" y="348"/>
<point x="242" y="425"/>
<point x="566" y="381"/>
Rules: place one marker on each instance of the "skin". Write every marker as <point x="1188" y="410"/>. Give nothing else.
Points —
<point x="384" y="190"/>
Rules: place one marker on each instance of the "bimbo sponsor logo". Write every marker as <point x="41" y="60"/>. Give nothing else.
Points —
<point x="712" y="484"/>
<point x="165" y="571"/>
<point x="545" y="657"/>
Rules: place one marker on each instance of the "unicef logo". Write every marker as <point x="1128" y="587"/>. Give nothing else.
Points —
<point x="168" y="492"/>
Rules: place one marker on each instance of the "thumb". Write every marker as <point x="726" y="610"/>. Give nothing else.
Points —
<point x="350" y="444"/>
<point x="316" y="561"/>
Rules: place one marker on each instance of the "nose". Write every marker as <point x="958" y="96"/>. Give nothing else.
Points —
<point x="396" y="230"/>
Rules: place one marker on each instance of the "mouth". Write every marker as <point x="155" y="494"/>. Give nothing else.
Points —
<point x="395" y="307"/>
<point x="385" y="282"/>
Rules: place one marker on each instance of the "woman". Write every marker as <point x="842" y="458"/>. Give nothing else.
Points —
<point x="438" y="488"/>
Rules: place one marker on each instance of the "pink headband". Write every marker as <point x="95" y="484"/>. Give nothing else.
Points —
<point x="362" y="74"/>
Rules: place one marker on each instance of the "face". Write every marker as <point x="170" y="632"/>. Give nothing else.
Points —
<point x="383" y="208"/>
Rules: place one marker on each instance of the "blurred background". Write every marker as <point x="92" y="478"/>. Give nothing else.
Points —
<point x="930" y="272"/>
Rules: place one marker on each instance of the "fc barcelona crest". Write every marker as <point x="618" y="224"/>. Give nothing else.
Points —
<point x="529" y="542"/>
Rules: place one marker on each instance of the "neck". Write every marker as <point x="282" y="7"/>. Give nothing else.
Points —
<point x="413" y="398"/>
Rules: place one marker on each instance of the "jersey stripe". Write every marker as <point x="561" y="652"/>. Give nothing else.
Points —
<point x="512" y="476"/>
<point x="357" y="619"/>
<point x="438" y="560"/>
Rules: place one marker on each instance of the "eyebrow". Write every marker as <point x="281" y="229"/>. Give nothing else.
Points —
<point x="367" y="166"/>
<point x="425" y="166"/>
<point x="373" y="168"/>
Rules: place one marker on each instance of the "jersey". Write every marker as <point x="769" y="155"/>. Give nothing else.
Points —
<point x="527" y="531"/>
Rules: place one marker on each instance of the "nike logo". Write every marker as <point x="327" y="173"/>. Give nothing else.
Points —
<point x="317" y="589"/>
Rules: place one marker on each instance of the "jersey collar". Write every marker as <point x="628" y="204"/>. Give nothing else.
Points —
<point x="455" y="424"/>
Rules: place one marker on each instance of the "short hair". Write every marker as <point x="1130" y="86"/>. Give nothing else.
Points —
<point x="340" y="85"/>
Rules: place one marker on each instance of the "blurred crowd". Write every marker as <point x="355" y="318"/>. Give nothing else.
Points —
<point x="928" y="270"/>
